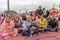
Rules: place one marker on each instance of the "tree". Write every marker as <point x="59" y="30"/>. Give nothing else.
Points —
<point x="9" y="12"/>
<point x="31" y="12"/>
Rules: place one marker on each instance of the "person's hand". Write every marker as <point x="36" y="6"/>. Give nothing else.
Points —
<point x="19" y="28"/>
<point x="32" y="28"/>
<point x="52" y="30"/>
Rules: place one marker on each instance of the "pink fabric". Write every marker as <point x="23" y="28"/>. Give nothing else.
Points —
<point x="7" y="28"/>
<point x="22" y="29"/>
<point x="39" y="36"/>
<point x="4" y="34"/>
<point x="15" y="32"/>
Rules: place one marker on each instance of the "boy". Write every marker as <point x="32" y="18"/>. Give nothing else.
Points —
<point x="42" y="23"/>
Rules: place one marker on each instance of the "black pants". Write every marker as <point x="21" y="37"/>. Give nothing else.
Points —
<point x="27" y="33"/>
<point x="19" y="31"/>
<point x="56" y="30"/>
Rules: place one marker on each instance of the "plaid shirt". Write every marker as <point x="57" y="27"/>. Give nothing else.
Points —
<point x="26" y="25"/>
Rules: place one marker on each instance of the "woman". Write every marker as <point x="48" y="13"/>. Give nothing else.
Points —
<point x="7" y="29"/>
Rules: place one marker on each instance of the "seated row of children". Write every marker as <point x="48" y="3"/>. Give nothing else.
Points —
<point x="28" y="26"/>
<point x="41" y="24"/>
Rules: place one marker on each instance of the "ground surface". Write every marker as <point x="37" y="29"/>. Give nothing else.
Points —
<point x="39" y="36"/>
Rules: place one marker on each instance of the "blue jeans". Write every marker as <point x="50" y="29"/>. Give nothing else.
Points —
<point x="26" y="33"/>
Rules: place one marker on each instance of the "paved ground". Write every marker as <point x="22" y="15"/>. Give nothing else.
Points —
<point x="39" y="36"/>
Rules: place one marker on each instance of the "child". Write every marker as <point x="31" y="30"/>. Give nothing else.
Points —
<point x="52" y="24"/>
<point x="42" y="23"/>
<point x="33" y="16"/>
<point x="18" y="25"/>
<point x="53" y="12"/>
<point x="33" y="28"/>
<point x="26" y="25"/>
<point x="8" y="29"/>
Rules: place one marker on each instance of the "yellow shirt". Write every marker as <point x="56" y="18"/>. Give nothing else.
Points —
<point x="42" y="23"/>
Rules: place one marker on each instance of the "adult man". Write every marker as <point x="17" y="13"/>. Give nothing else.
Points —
<point x="39" y="11"/>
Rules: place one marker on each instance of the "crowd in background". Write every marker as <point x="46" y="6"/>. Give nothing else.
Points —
<point x="41" y="20"/>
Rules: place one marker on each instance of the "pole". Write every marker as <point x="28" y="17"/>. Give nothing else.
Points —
<point x="8" y="5"/>
<point x="20" y="11"/>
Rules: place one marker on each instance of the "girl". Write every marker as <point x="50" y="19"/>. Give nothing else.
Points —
<point x="18" y="25"/>
<point x="8" y="29"/>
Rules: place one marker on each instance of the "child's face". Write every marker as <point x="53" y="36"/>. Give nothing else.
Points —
<point x="33" y="21"/>
<point x="28" y="18"/>
<point x="7" y="19"/>
<point x="52" y="18"/>
<point x="17" y="20"/>
<point x="41" y="17"/>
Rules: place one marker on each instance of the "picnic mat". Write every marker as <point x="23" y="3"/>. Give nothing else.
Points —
<point x="39" y="36"/>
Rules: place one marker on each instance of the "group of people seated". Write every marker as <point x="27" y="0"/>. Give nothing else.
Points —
<point x="27" y="25"/>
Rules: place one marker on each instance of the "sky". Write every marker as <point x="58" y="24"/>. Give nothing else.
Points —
<point x="27" y="4"/>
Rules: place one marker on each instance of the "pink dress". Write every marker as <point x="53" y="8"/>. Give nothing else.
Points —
<point x="7" y="27"/>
